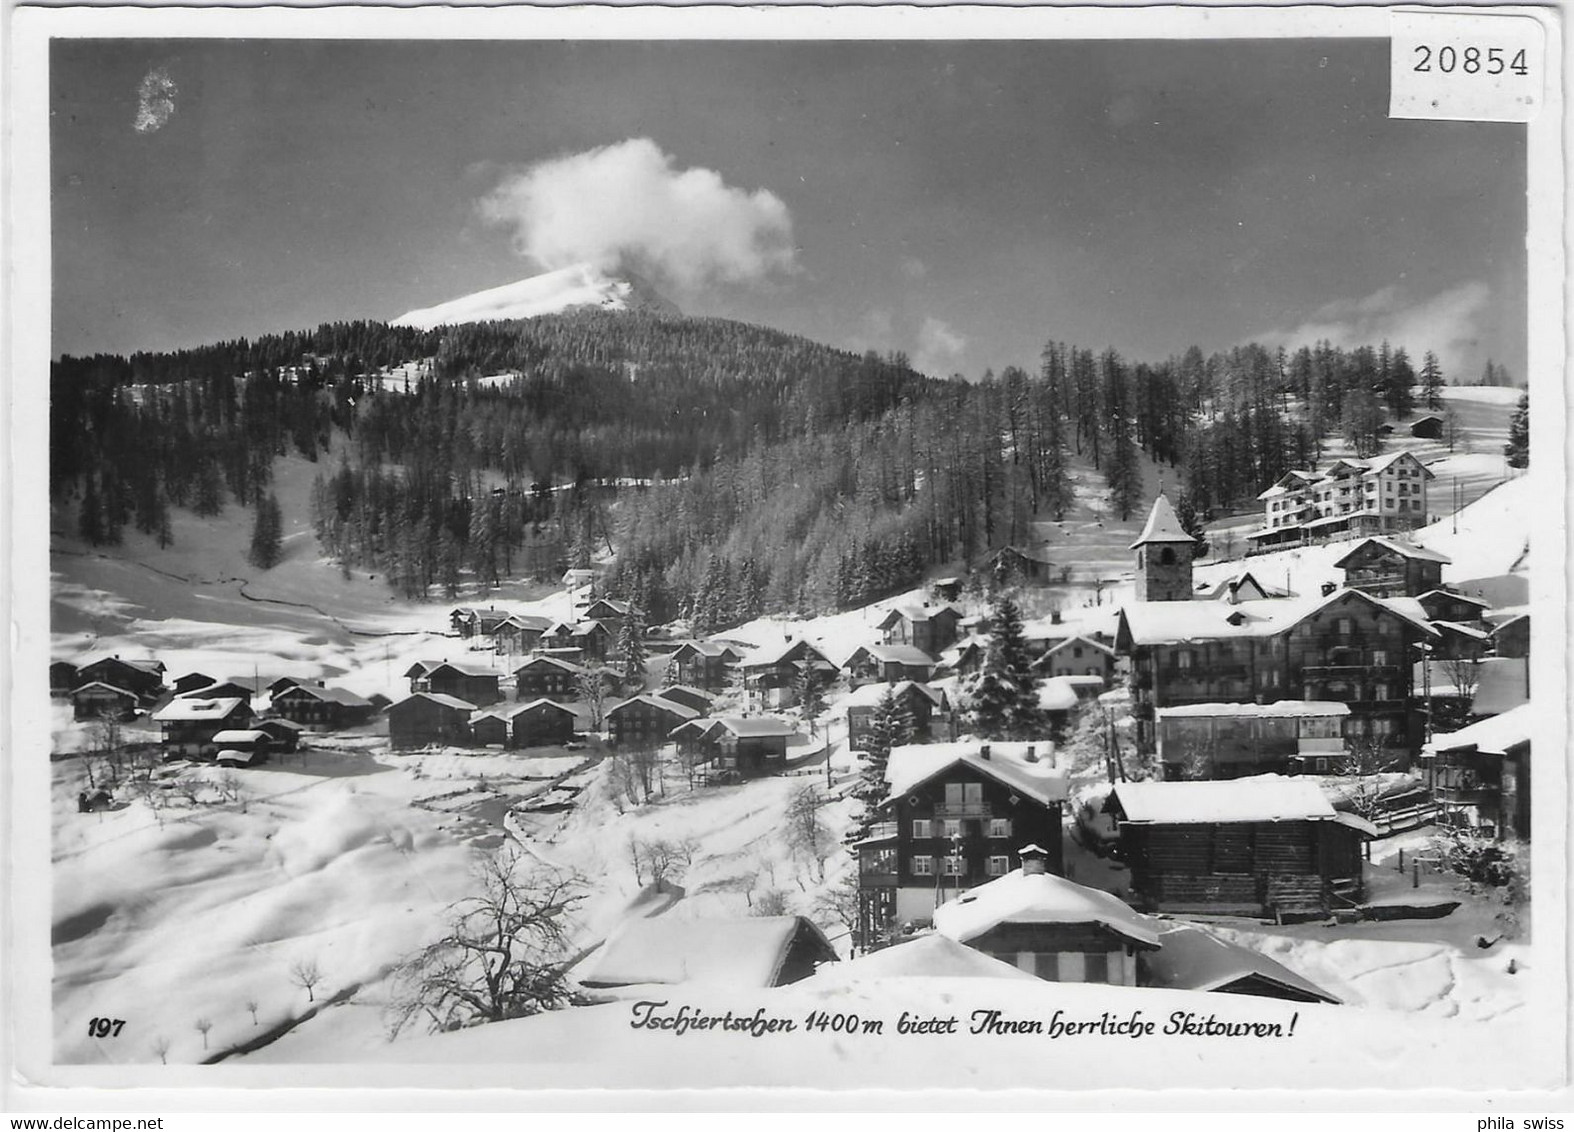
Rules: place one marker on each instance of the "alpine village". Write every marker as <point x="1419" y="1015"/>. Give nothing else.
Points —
<point x="642" y="649"/>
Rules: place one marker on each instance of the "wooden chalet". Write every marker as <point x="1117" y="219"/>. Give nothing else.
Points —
<point x="473" y="683"/>
<point x="1511" y="636"/>
<point x="547" y="677"/>
<point x="1190" y="957"/>
<point x="314" y="705"/>
<point x="521" y="632"/>
<point x="220" y="690"/>
<point x="706" y="664"/>
<point x="606" y="609"/>
<point x="748" y="952"/>
<point x="1428" y="426"/>
<point x="62" y="677"/>
<point x="142" y="678"/>
<point x="888" y="664"/>
<point x="963" y="658"/>
<point x="98" y="700"/>
<point x="771" y="672"/>
<point x="247" y="746"/>
<point x="930" y="628"/>
<point x="426" y="718"/>
<point x="1267" y="846"/>
<point x="1077" y="656"/>
<point x="1446" y="605"/>
<point x="1017" y="564"/>
<point x="1481" y="773"/>
<point x="946" y="589"/>
<point x="746" y="746"/>
<point x="470" y="621"/>
<point x="922" y="703"/>
<point x="1049" y="926"/>
<point x="285" y="734"/>
<point x="188" y="725"/>
<point x="274" y="687"/>
<point x="541" y="723"/>
<point x="952" y="813"/>
<point x="191" y="682"/>
<point x="1385" y="567"/>
<point x="1457" y="640"/>
<point x="687" y="696"/>
<point x="646" y="720"/>
<point x="1346" y="646"/>
<point x="1220" y="741"/>
<point x="490" y="728"/>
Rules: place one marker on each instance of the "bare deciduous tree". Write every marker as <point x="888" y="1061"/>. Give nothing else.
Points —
<point x="203" y="1025"/>
<point x="251" y="1006"/>
<point x="305" y="974"/>
<point x="593" y="691"/>
<point x="660" y="859"/>
<point x="807" y="835"/>
<point x="771" y="902"/>
<point x="503" y="955"/>
<point x="160" y="1046"/>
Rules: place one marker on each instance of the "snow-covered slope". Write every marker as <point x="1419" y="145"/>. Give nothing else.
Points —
<point x="581" y="285"/>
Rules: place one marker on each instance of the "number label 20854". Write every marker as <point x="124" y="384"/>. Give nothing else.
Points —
<point x="1469" y="60"/>
<point x="105" y="1027"/>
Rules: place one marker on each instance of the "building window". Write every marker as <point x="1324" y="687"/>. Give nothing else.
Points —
<point x="923" y="866"/>
<point x="999" y="827"/>
<point x="921" y="828"/>
<point x="973" y="793"/>
<point x="1344" y="626"/>
<point x="951" y="827"/>
<point x="953" y="794"/>
<point x="1096" y="967"/>
<point x="999" y="866"/>
<point x="1183" y="659"/>
<point x="951" y="866"/>
<point x="1379" y="660"/>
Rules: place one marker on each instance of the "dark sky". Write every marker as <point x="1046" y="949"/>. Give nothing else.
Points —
<point x="961" y="201"/>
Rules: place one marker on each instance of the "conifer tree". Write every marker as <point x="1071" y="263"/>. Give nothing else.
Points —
<point x="266" y="534"/>
<point x="1431" y="381"/>
<point x="811" y="695"/>
<point x="889" y="727"/>
<point x="631" y="643"/>
<point x="1003" y="700"/>
<point x="1517" y="450"/>
<point x="89" y="520"/>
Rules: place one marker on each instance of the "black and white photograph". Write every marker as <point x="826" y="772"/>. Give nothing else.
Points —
<point x="793" y="550"/>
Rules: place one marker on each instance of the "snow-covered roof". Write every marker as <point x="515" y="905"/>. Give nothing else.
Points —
<point x="437" y="698"/>
<point x="1494" y="736"/>
<point x="1263" y="797"/>
<point x="870" y="695"/>
<point x="80" y="688"/>
<point x="1280" y="709"/>
<point x="671" y="707"/>
<point x="1095" y="645"/>
<point x="1452" y="596"/>
<point x="1039" y="898"/>
<point x="1190" y="957"/>
<point x="931" y="956"/>
<point x="528" y="621"/>
<point x="915" y="763"/>
<point x="151" y="667"/>
<point x="342" y="696"/>
<point x="707" y="648"/>
<point x="551" y="662"/>
<point x="688" y="689"/>
<point x="285" y="724"/>
<point x="1057" y="694"/>
<point x="896" y="654"/>
<point x="1162" y="525"/>
<point x="743" y="952"/>
<point x="1468" y="631"/>
<point x="181" y="710"/>
<point x="1176" y="622"/>
<point x="464" y="668"/>
<point x="240" y="736"/>
<point x="1404" y="549"/>
<point x="756" y="726"/>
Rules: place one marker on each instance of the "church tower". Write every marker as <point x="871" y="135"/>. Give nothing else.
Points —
<point x="1164" y="552"/>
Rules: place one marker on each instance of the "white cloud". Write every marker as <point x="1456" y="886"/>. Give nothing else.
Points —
<point x="939" y="348"/>
<point x="155" y="100"/>
<point x="629" y="204"/>
<point x="1447" y="322"/>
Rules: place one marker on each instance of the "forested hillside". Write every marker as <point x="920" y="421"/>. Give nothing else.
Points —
<point x="787" y="475"/>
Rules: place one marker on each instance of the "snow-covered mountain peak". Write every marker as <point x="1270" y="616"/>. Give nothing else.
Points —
<point x="582" y="285"/>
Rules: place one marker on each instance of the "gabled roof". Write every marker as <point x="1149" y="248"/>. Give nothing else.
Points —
<point x="244" y="735"/>
<point x="1162" y="525"/>
<point x="932" y="956"/>
<point x="756" y="726"/>
<point x="687" y="688"/>
<point x="437" y="698"/>
<point x="1279" y="709"/>
<point x="1403" y="549"/>
<point x="1498" y="735"/>
<point x="341" y="696"/>
<point x="782" y="652"/>
<point x="1190" y="957"/>
<point x="1263" y="797"/>
<point x="551" y="662"/>
<point x="1058" y="645"/>
<point x="150" y="667"/>
<point x="1378" y="463"/>
<point x="1176" y="622"/>
<point x="870" y="695"/>
<point x="914" y="764"/>
<point x="671" y="707"/>
<point x="428" y="667"/>
<point x="1470" y="632"/>
<point x="1040" y="898"/>
<point x="279" y="724"/>
<point x="101" y="684"/>
<point x="895" y="654"/>
<point x="182" y="710"/>
<point x="1452" y="596"/>
<point x="527" y="621"/>
<point x="739" y="953"/>
<point x="539" y="704"/>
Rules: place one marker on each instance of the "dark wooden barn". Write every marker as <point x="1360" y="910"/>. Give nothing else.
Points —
<point x="426" y="718"/>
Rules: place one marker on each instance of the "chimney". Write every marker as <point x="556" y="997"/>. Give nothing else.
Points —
<point x="1030" y="756"/>
<point x="983" y="751"/>
<point x="1328" y="588"/>
<point x="1054" y="617"/>
<point x="1033" y="861"/>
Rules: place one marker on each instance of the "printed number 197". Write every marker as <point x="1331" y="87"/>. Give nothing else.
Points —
<point x="105" y="1027"/>
<point x="1469" y="60"/>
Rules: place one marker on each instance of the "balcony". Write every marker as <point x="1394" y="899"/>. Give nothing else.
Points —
<point x="1466" y="796"/>
<point x="1320" y="746"/>
<point x="1352" y="672"/>
<point x="962" y="810"/>
<point x="881" y="829"/>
